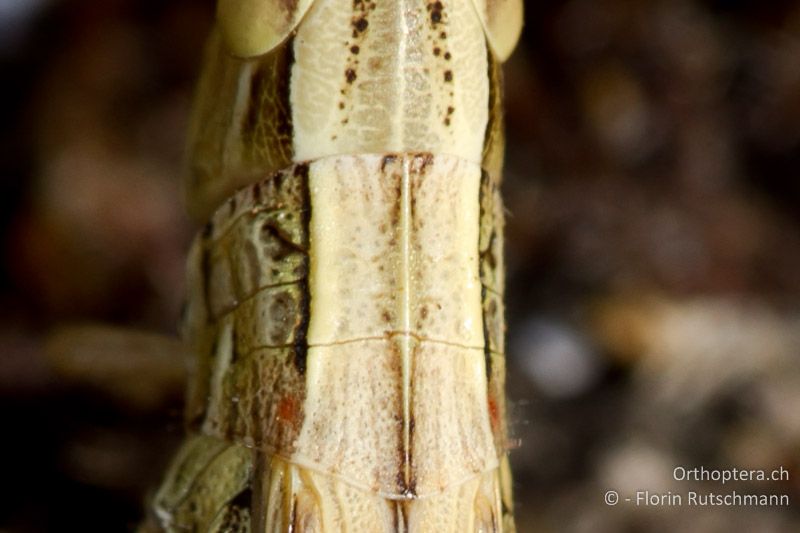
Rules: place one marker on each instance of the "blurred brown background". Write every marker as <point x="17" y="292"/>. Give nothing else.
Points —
<point x="653" y="252"/>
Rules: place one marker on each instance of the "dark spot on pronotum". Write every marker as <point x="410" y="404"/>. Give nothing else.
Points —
<point x="355" y="49"/>
<point x="448" y="76"/>
<point x="450" y="110"/>
<point x="360" y="24"/>
<point x="436" y="12"/>
<point x="447" y="56"/>
<point x="437" y="51"/>
<point x="350" y="75"/>
<point x="341" y="105"/>
<point x="443" y="35"/>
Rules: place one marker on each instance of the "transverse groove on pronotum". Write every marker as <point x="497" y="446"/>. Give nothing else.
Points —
<point x="346" y="293"/>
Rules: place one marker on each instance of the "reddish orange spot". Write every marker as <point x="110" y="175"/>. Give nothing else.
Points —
<point x="287" y="410"/>
<point x="494" y="414"/>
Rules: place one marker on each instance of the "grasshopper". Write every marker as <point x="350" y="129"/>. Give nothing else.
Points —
<point x="345" y="305"/>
